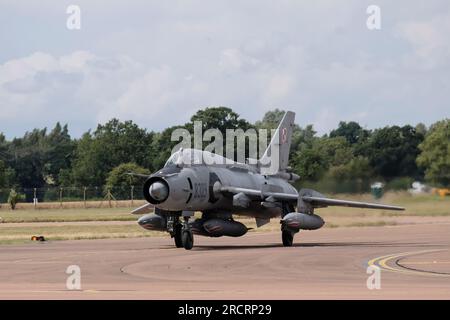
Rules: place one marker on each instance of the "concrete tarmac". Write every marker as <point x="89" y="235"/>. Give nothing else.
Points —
<point x="414" y="263"/>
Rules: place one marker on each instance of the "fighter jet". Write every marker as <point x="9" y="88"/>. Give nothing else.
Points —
<point x="221" y="189"/>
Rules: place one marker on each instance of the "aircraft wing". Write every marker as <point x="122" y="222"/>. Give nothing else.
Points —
<point x="314" y="198"/>
<point x="324" y="202"/>
<point x="254" y="193"/>
<point x="146" y="208"/>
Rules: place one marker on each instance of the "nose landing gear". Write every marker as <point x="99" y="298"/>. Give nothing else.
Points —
<point x="180" y="232"/>
<point x="177" y="235"/>
<point x="187" y="236"/>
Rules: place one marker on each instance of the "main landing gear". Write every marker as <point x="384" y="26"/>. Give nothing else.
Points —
<point x="287" y="237"/>
<point x="287" y="234"/>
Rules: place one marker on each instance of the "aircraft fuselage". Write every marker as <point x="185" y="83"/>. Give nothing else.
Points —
<point x="197" y="188"/>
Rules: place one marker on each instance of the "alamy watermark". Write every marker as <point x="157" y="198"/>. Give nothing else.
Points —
<point x="373" y="21"/>
<point x="73" y="21"/>
<point x="374" y="280"/>
<point x="73" y="281"/>
<point x="236" y="141"/>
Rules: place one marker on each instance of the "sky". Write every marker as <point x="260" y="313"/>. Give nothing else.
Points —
<point x="158" y="62"/>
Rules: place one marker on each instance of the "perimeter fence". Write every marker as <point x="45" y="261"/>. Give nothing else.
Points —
<point x="74" y="196"/>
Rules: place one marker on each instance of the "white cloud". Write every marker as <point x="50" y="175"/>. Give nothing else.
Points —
<point x="233" y="60"/>
<point x="72" y="87"/>
<point x="430" y="41"/>
<point x="157" y="63"/>
<point x="279" y="86"/>
<point x="17" y="69"/>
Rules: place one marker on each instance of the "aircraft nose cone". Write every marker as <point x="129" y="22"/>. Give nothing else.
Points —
<point x="158" y="191"/>
<point x="142" y="221"/>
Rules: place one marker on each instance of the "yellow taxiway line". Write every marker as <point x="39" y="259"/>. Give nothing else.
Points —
<point x="382" y="262"/>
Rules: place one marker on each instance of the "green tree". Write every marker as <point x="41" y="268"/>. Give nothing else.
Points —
<point x="3" y="147"/>
<point x="27" y="157"/>
<point x="120" y="182"/>
<point x="14" y="198"/>
<point x="392" y="151"/>
<point x="353" y="176"/>
<point x="110" y="145"/>
<point x="59" y="154"/>
<point x="313" y="161"/>
<point x="351" y="131"/>
<point x="301" y="137"/>
<point x="271" y="119"/>
<point x="336" y="150"/>
<point x="421" y="128"/>
<point x="162" y="146"/>
<point x="435" y="153"/>
<point x="221" y="118"/>
<point x="38" y="157"/>
<point x="310" y="164"/>
<point x="7" y="175"/>
<point x="87" y="167"/>
<point x="357" y="168"/>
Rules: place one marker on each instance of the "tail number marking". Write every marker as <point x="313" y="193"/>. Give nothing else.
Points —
<point x="200" y="190"/>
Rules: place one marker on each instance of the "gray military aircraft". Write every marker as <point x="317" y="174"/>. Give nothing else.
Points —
<point x="226" y="188"/>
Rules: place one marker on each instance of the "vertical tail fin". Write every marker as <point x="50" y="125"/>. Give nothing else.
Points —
<point x="276" y="156"/>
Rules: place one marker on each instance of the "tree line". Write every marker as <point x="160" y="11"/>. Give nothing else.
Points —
<point x="348" y="158"/>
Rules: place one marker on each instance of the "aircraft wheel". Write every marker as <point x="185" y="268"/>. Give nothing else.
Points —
<point x="188" y="239"/>
<point x="178" y="236"/>
<point x="288" y="238"/>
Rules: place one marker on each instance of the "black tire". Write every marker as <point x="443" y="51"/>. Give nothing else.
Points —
<point x="288" y="238"/>
<point x="177" y="236"/>
<point x="188" y="239"/>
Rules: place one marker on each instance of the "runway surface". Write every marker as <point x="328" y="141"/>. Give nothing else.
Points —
<point x="326" y="264"/>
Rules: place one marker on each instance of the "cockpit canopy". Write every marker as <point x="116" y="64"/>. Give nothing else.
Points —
<point x="195" y="156"/>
